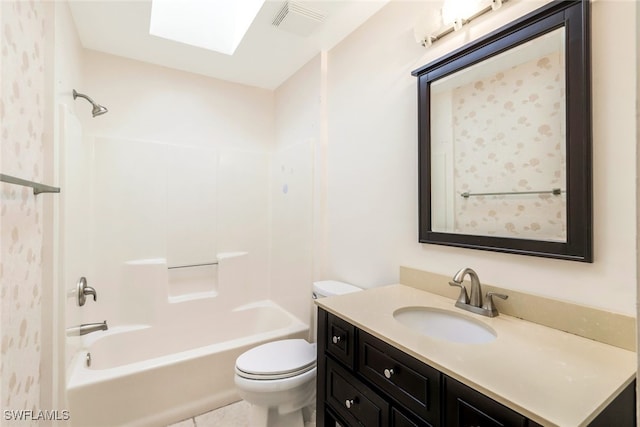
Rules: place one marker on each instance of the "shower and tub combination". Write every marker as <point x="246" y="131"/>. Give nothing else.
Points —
<point x="179" y="311"/>
<point x="176" y="365"/>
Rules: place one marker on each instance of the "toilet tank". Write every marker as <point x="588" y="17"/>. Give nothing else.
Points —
<point x="327" y="288"/>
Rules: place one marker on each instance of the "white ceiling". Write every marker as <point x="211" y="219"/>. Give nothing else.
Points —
<point x="266" y="57"/>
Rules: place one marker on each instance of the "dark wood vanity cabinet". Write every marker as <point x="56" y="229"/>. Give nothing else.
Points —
<point x="363" y="381"/>
<point x="466" y="407"/>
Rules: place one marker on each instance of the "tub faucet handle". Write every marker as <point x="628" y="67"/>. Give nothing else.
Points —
<point x="84" y="290"/>
<point x="90" y="291"/>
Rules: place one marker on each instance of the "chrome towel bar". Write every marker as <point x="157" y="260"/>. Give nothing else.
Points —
<point x="37" y="187"/>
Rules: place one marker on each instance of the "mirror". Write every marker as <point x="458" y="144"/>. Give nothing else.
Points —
<point x="505" y="139"/>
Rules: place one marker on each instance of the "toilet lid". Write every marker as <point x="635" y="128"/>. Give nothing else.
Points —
<point x="277" y="359"/>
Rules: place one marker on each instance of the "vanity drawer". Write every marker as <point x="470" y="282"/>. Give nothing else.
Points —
<point x="340" y="339"/>
<point x="407" y="380"/>
<point x="356" y="403"/>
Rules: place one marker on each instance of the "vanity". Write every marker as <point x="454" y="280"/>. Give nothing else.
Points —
<point x="376" y="370"/>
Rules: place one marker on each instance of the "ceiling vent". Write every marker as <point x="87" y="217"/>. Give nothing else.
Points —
<point x="298" y="19"/>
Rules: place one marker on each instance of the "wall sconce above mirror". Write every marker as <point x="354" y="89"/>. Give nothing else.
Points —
<point x="451" y="17"/>
<point x="505" y="139"/>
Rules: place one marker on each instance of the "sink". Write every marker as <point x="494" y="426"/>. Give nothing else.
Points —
<point x="445" y="325"/>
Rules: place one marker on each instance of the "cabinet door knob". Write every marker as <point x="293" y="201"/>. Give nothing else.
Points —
<point x="336" y="339"/>
<point x="388" y="373"/>
<point x="349" y="403"/>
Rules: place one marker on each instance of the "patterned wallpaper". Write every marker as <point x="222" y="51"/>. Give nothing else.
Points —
<point x="527" y="101"/>
<point x="22" y="126"/>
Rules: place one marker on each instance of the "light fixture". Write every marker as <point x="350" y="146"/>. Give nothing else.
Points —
<point x="217" y="25"/>
<point x="426" y="26"/>
<point x="454" y="14"/>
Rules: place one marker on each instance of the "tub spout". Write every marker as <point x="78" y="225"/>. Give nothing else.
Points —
<point x="87" y="328"/>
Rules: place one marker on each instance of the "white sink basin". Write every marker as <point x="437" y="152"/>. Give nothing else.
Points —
<point x="445" y="325"/>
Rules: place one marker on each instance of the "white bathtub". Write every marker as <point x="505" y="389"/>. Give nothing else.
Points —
<point x="155" y="376"/>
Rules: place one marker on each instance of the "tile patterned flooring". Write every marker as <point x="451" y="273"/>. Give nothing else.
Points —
<point x="234" y="415"/>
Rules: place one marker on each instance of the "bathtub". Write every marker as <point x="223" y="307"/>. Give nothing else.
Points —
<point x="154" y="376"/>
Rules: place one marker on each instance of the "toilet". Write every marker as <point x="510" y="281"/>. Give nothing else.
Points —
<point x="278" y="378"/>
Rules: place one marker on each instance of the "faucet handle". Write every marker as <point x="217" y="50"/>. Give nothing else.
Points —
<point x="83" y="290"/>
<point x="463" y="298"/>
<point x="488" y="303"/>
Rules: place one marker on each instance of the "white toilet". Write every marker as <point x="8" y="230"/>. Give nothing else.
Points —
<point x="279" y="378"/>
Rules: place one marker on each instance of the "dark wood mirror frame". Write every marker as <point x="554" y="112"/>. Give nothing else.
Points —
<point x="574" y="16"/>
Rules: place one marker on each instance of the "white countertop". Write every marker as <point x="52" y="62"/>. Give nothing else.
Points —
<point x="549" y="376"/>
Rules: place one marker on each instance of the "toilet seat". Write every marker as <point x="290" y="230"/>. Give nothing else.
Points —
<point x="277" y="360"/>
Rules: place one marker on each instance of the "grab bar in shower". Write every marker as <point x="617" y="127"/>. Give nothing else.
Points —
<point x="193" y="265"/>
<point x="37" y="187"/>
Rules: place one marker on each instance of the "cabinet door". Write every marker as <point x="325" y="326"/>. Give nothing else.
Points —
<point x="399" y="419"/>
<point x="353" y="401"/>
<point x="340" y="339"/>
<point x="465" y="407"/>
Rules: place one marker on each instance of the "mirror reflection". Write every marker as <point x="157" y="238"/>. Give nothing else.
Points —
<point x="498" y="145"/>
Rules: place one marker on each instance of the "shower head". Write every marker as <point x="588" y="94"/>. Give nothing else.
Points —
<point x="97" y="108"/>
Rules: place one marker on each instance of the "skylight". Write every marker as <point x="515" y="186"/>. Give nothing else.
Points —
<point x="217" y="25"/>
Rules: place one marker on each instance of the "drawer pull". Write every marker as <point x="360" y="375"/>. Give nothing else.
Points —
<point x="336" y="339"/>
<point x="350" y="402"/>
<point x="388" y="373"/>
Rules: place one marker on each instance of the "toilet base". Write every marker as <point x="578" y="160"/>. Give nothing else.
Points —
<point x="281" y="402"/>
<point x="271" y="417"/>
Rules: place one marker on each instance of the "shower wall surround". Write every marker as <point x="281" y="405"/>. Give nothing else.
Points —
<point x="191" y="178"/>
<point x="180" y="171"/>
<point x="158" y="199"/>
<point x="175" y="203"/>
<point x="23" y="118"/>
<point x="297" y="191"/>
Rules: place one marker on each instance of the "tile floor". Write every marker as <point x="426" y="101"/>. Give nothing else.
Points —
<point x="234" y="415"/>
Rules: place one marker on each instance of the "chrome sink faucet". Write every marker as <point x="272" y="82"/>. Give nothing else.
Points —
<point x="474" y="303"/>
<point x="476" y="290"/>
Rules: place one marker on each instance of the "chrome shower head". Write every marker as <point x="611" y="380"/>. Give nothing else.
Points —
<point x="97" y="108"/>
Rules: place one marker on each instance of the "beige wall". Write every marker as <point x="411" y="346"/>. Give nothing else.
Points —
<point x="637" y="165"/>
<point x="372" y="167"/>
<point x="297" y="137"/>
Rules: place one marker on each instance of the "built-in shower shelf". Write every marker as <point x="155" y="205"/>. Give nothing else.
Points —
<point x="37" y="187"/>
